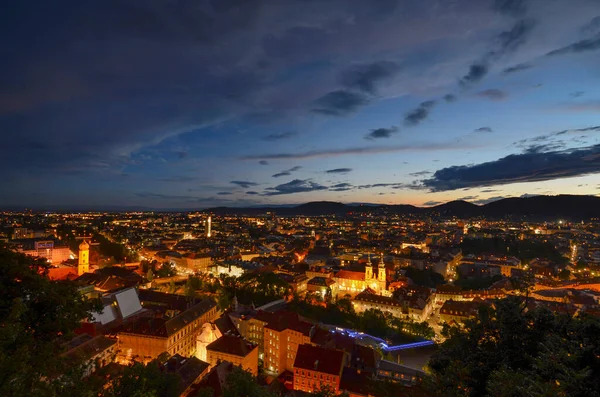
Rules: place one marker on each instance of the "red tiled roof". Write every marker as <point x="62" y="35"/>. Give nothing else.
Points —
<point x="283" y="320"/>
<point x="320" y="359"/>
<point x="62" y="273"/>
<point x="350" y="275"/>
<point x="233" y="345"/>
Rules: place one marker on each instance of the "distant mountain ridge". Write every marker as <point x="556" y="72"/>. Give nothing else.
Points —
<point x="561" y="206"/>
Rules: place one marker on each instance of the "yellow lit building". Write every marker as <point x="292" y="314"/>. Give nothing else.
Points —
<point x="84" y="258"/>
<point x="235" y="350"/>
<point x="352" y="283"/>
<point x="146" y="338"/>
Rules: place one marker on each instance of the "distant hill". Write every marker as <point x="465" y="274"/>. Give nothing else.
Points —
<point x="548" y="207"/>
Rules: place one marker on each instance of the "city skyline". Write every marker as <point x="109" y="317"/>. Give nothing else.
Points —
<point x="243" y="103"/>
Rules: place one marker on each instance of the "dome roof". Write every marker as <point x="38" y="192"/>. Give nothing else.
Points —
<point x="84" y="245"/>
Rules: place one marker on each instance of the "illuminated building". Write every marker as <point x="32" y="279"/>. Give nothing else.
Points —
<point x="210" y="333"/>
<point x="282" y="336"/>
<point x="317" y="367"/>
<point x="235" y="350"/>
<point x="47" y="250"/>
<point x="84" y="258"/>
<point x="147" y="338"/>
<point x="351" y="282"/>
<point x="208" y="226"/>
<point x="197" y="262"/>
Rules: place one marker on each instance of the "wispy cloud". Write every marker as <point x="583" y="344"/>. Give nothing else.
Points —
<point x="340" y="103"/>
<point x="244" y="184"/>
<point x="366" y="77"/>
<point x="286" y="172"/>
<point x="339" y="171"/>
<point x="420" y="113"/>
<point x="591" y="44"/>
<point x="295" y="186"/>
<point x="279" y="136"/>
<point x="381" y="133"/>
<point x="517" y="68"/>
<point x="493" y="94"/>
<point x="354" y="151"/>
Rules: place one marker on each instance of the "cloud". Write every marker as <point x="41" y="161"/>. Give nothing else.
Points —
<point x="476" y="72"/>
<point x="585" y="45"/>
<point x="279" y="136"/>
<point x="416" y="116"/>
<point x="296" y="186"/>
<point x="394" y="185"/>
<point x="493" y="94"/>
<point x="224" y="193"/>
<point x="244" y="184"/>
<point x="420" y="173"/>
<point x="341" y="187"/>
<point x="530" y="166"/>
<point x="180" y="178"/>
<point x="577" y="94"/>
<point x="514" y="8"/>
<point x="381" y="133"/>
<point x="506" y="42"/>
<point x="449" y="98"/>
<point x="340" y="103"/>
<point x="165" y="196"/>
<point x="544" y="147"/>
<point x="591" y="106"/>
<point x="366" y="77"/>
<point x="529" y="143"/>
<point x="353" y="151"/>
<point x="287" y="172"/>
<point x="488" y="200"/>
<point x="489" y="190"/>
<point x="431" y="203"/>
<point x="483" y="129"/>
<point x="591" y="27"/>
<point x="339" y="171"/>
<point x="517" y="68"/>
<point x="252" y="192"/>
<point x="263" y="162"/>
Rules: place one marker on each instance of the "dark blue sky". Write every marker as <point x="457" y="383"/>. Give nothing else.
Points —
<point x="190" y="104"/>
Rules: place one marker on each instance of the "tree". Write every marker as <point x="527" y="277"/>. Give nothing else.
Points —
<point x="37" y="315"/>
<point x="345" y="306"/>
<point x="374" y="322"/>
<point x="240" y="383"/>
<point x="139" y="380"/>
<point x="172" y="287"/>
<point x="189" y="289"/>
<point x="564" y="274"/>
<point x="510" y="351"/>
<point x="223" y="300"/>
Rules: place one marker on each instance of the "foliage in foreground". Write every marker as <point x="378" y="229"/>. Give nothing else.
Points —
<point x="37" y="315"/>
<point x="509" y="350"/>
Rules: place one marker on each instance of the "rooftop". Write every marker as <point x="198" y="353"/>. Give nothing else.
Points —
<point x="320" y="359"/>
<point x="230" y="344"/>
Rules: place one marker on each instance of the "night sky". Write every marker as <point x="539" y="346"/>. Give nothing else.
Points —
<point x="192" y="104"/>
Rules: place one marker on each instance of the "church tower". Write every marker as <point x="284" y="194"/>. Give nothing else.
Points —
<point x="369" y="269"/>
<point x="84" y="258"/>
<point x="381" y="273"/>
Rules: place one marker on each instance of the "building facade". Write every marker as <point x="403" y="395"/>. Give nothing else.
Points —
<point x="318" y="367"/>
<point x="235" y="350"/>
<point x="147" y="338"/>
